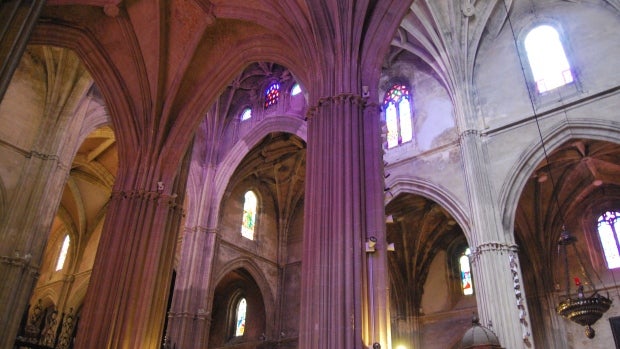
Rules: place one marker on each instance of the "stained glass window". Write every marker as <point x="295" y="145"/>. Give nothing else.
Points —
<point x="249" y="215"/>
<point x="608" y="230"/>
<point x="397" y="104"/>
<point x="246" y="114"/>
<point x="466" y="282"/>
<point x="63" y="254"/>
<point x="296" y="90"/>
<point x="240" y="316"/>
<point x="545" y="53"/>
<point x="272" y="94"/>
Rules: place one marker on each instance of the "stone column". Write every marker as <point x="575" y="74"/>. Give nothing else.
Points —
<point x="342" y="176"/>
<point x="125" y="305"/>
<point x="18" y="19"/>
<point x="42" y="174"/>
<point x="497" y="276"/>
<point x="189" y="320"/>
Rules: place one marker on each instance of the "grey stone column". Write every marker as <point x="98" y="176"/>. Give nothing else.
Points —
<point x="497" y="276"/>
<point x="42" y="175"/>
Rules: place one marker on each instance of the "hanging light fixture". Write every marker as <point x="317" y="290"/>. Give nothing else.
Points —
<point x="582" y="310"/>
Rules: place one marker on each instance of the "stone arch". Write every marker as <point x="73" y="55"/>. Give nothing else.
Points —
<point x="435" y="192"/>
<point x="256" y="274"/>
<point x="250" y="283"/>
<point x="285" y="123"/>
<point x="529" y="159"/>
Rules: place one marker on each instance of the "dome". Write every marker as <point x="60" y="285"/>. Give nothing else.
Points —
<point x="479" y="337"/>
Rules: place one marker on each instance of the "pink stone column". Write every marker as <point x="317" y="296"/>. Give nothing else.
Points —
<point x="344" y="186"/>
<point x="125" y="304"/>
<point x="189" y="320"/>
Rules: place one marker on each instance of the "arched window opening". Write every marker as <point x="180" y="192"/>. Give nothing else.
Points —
<point x="547" y="59"/>
<point x="608" y="230"/>
<point x="272" y="94"/>
<point x="249" y="215"/>
<point x="397" y="104"/>
<point x="63" y="254"/>
<point x="246" y="114"/>
<point x="240" y="315"/>
<point x="295" y="90"/>
<point x="466" y="282"/>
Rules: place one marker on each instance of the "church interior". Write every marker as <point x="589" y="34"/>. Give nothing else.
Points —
<point x="426" y="174"/>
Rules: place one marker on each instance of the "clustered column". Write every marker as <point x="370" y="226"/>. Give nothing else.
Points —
<point x="336" y="308"/>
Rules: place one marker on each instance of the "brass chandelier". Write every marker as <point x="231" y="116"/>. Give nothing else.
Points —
<point x="582" y="310"/>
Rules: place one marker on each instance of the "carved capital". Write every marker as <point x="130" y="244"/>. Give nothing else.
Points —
<point x="337" y="99"/>
<point x="492" y="246"/>
<point x="22" y="262"/>
<point x="155" y="196"/>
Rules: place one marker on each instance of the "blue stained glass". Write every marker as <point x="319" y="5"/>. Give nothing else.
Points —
<point x="272" y="94"/>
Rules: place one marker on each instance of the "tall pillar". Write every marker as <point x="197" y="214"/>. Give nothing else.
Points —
<point x="342" y="303"/>
<point x="18" y="19"/>
<point x="42" y="172"/>
<point x="189" y="320"/>
<point x="499" y="292"/>
<point x="125" y="305"/>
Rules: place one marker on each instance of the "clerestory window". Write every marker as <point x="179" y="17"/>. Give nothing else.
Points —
<point x="272" y="95"/>
<point x="246" y="114"/>
<point x="397" y="105"/>
<point x="547" y="58"/>
<point x="63" y="253"/>
<point x="248" y="224"/>
<point x="608" y="230"/>
<point x="467" y="285"/>
<point x="240" y="315"/>
<point x="295" y="90"/>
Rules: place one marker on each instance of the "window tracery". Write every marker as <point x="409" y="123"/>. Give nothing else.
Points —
<point x="397" y="105"/>
<point x="272" y="95"/>
<point x="608" y="230"/>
